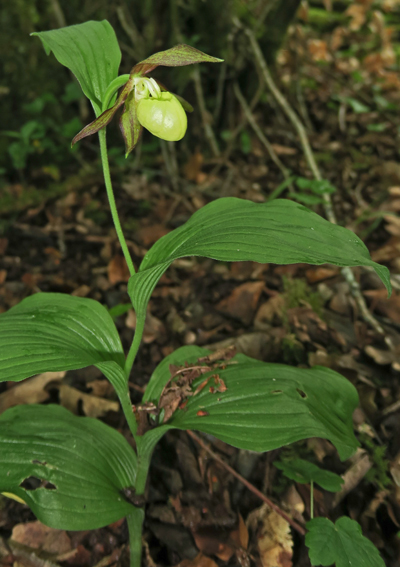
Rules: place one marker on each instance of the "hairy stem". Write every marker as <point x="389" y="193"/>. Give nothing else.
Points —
<point x="111" y="200"/>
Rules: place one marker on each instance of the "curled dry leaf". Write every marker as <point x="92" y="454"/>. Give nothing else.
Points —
<point x="92" y="406"/>
<point x="31" y="391"/>
<point x="274" y="540"/>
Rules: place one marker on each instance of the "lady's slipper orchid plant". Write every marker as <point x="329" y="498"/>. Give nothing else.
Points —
<point x="78" y="473"/>
<point x="147" y="103"/>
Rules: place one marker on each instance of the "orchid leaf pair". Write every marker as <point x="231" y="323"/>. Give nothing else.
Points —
<point x="147" y="103"/>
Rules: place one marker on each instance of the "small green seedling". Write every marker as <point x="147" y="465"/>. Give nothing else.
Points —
<point x="77" y="473"/>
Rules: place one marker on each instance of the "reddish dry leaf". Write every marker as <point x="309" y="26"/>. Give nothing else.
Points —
<point x="148" y="235"/>
<point x="38" y="536"/>
<point x="199" y="561"/>
<point x="320" y="273"/>
<point x="192" y="169"/>
<point x="242" y="302"/>
<point x="3" y="276"/>
<point x="389" y="307"/>
<point x="117" y="270"/>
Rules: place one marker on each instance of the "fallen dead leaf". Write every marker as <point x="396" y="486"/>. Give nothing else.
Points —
<point x="242" y="302"/>
<point x="192" y="169"/>
<point x="92" y="406"/>
<point x="284" y="150"/>
<point x="199" y="561"/>
<point x="150" y="234"/>
<point x="318" y="50"/>
<point x="274" y="540"/>
<point x="117" y="270"/>
<point x="30" y="391"/>
<point x="357" y="13"/>
<point x="38" y="536"/>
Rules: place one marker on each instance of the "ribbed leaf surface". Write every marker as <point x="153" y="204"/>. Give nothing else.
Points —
<point x="53" y="331"/>
<point x="232" y="230"/>
<point x="266" y="405"/>
<point x="90" y="51"/>
<point x="83" y="466"/>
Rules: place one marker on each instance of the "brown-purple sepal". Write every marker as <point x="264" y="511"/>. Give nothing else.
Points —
<point x="106" y="117"/>
<point x="129" y="124"/>
<point x="177" y="56"/>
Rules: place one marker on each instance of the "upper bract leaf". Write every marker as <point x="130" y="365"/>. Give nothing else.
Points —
<point x="341" y="543"/>
<point x="230" y="229"/>
<point x="82" y="464"/>
<point x="90" y="51"/>
<point x="177" y="56"/>
<point x="305" y="472"/>
<point x="53" y="331"/>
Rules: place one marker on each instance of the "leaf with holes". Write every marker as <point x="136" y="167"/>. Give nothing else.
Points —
<point x="341" y="544"/>
<point x="305" y="472"/>
<point x="233" y="230"/>
<point x="71" y="471"/>
<point x="90" y="51"/>
<point x="264" y="406"/>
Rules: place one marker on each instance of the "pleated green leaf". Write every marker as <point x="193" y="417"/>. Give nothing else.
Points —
<point x="232" y="230"/>
<point x="265" y="406"/>
<point x="90" y="51"/>
<point x="71" y="471"/>
<point x="52" y="332"/>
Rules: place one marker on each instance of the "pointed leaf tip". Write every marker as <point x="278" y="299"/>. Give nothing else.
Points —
<point x="177" y="56"/>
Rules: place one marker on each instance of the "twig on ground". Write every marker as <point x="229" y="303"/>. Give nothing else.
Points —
<point x="329" y="212"/>
<point x="263" y="139"/>
<point x="204" y="114"/>
<point x="248" y="484"/>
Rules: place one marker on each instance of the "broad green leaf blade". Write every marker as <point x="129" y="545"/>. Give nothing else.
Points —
<point x="85" y="465"/>
<point x="53" y="331"/>
<point x="265" y="406"/>
<point x="232" y="230"/>
<point x="177" y="56"/>
<point x="305" y="472"/>
<point x="129" y="124"/>
<point x="341" y="544"/>
<point x="90" y="51"/>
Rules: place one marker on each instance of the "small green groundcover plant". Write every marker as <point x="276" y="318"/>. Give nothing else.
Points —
<point x="77" y="473"/>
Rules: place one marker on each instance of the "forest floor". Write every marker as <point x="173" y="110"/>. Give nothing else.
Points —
<point x="197" y="512"/>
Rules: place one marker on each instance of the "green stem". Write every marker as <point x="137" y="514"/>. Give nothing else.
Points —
<point x="312" y="499"/>
<point x="135" y="523"/>
<point x="111" y="199"/>
<point x="130" y="359"/>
